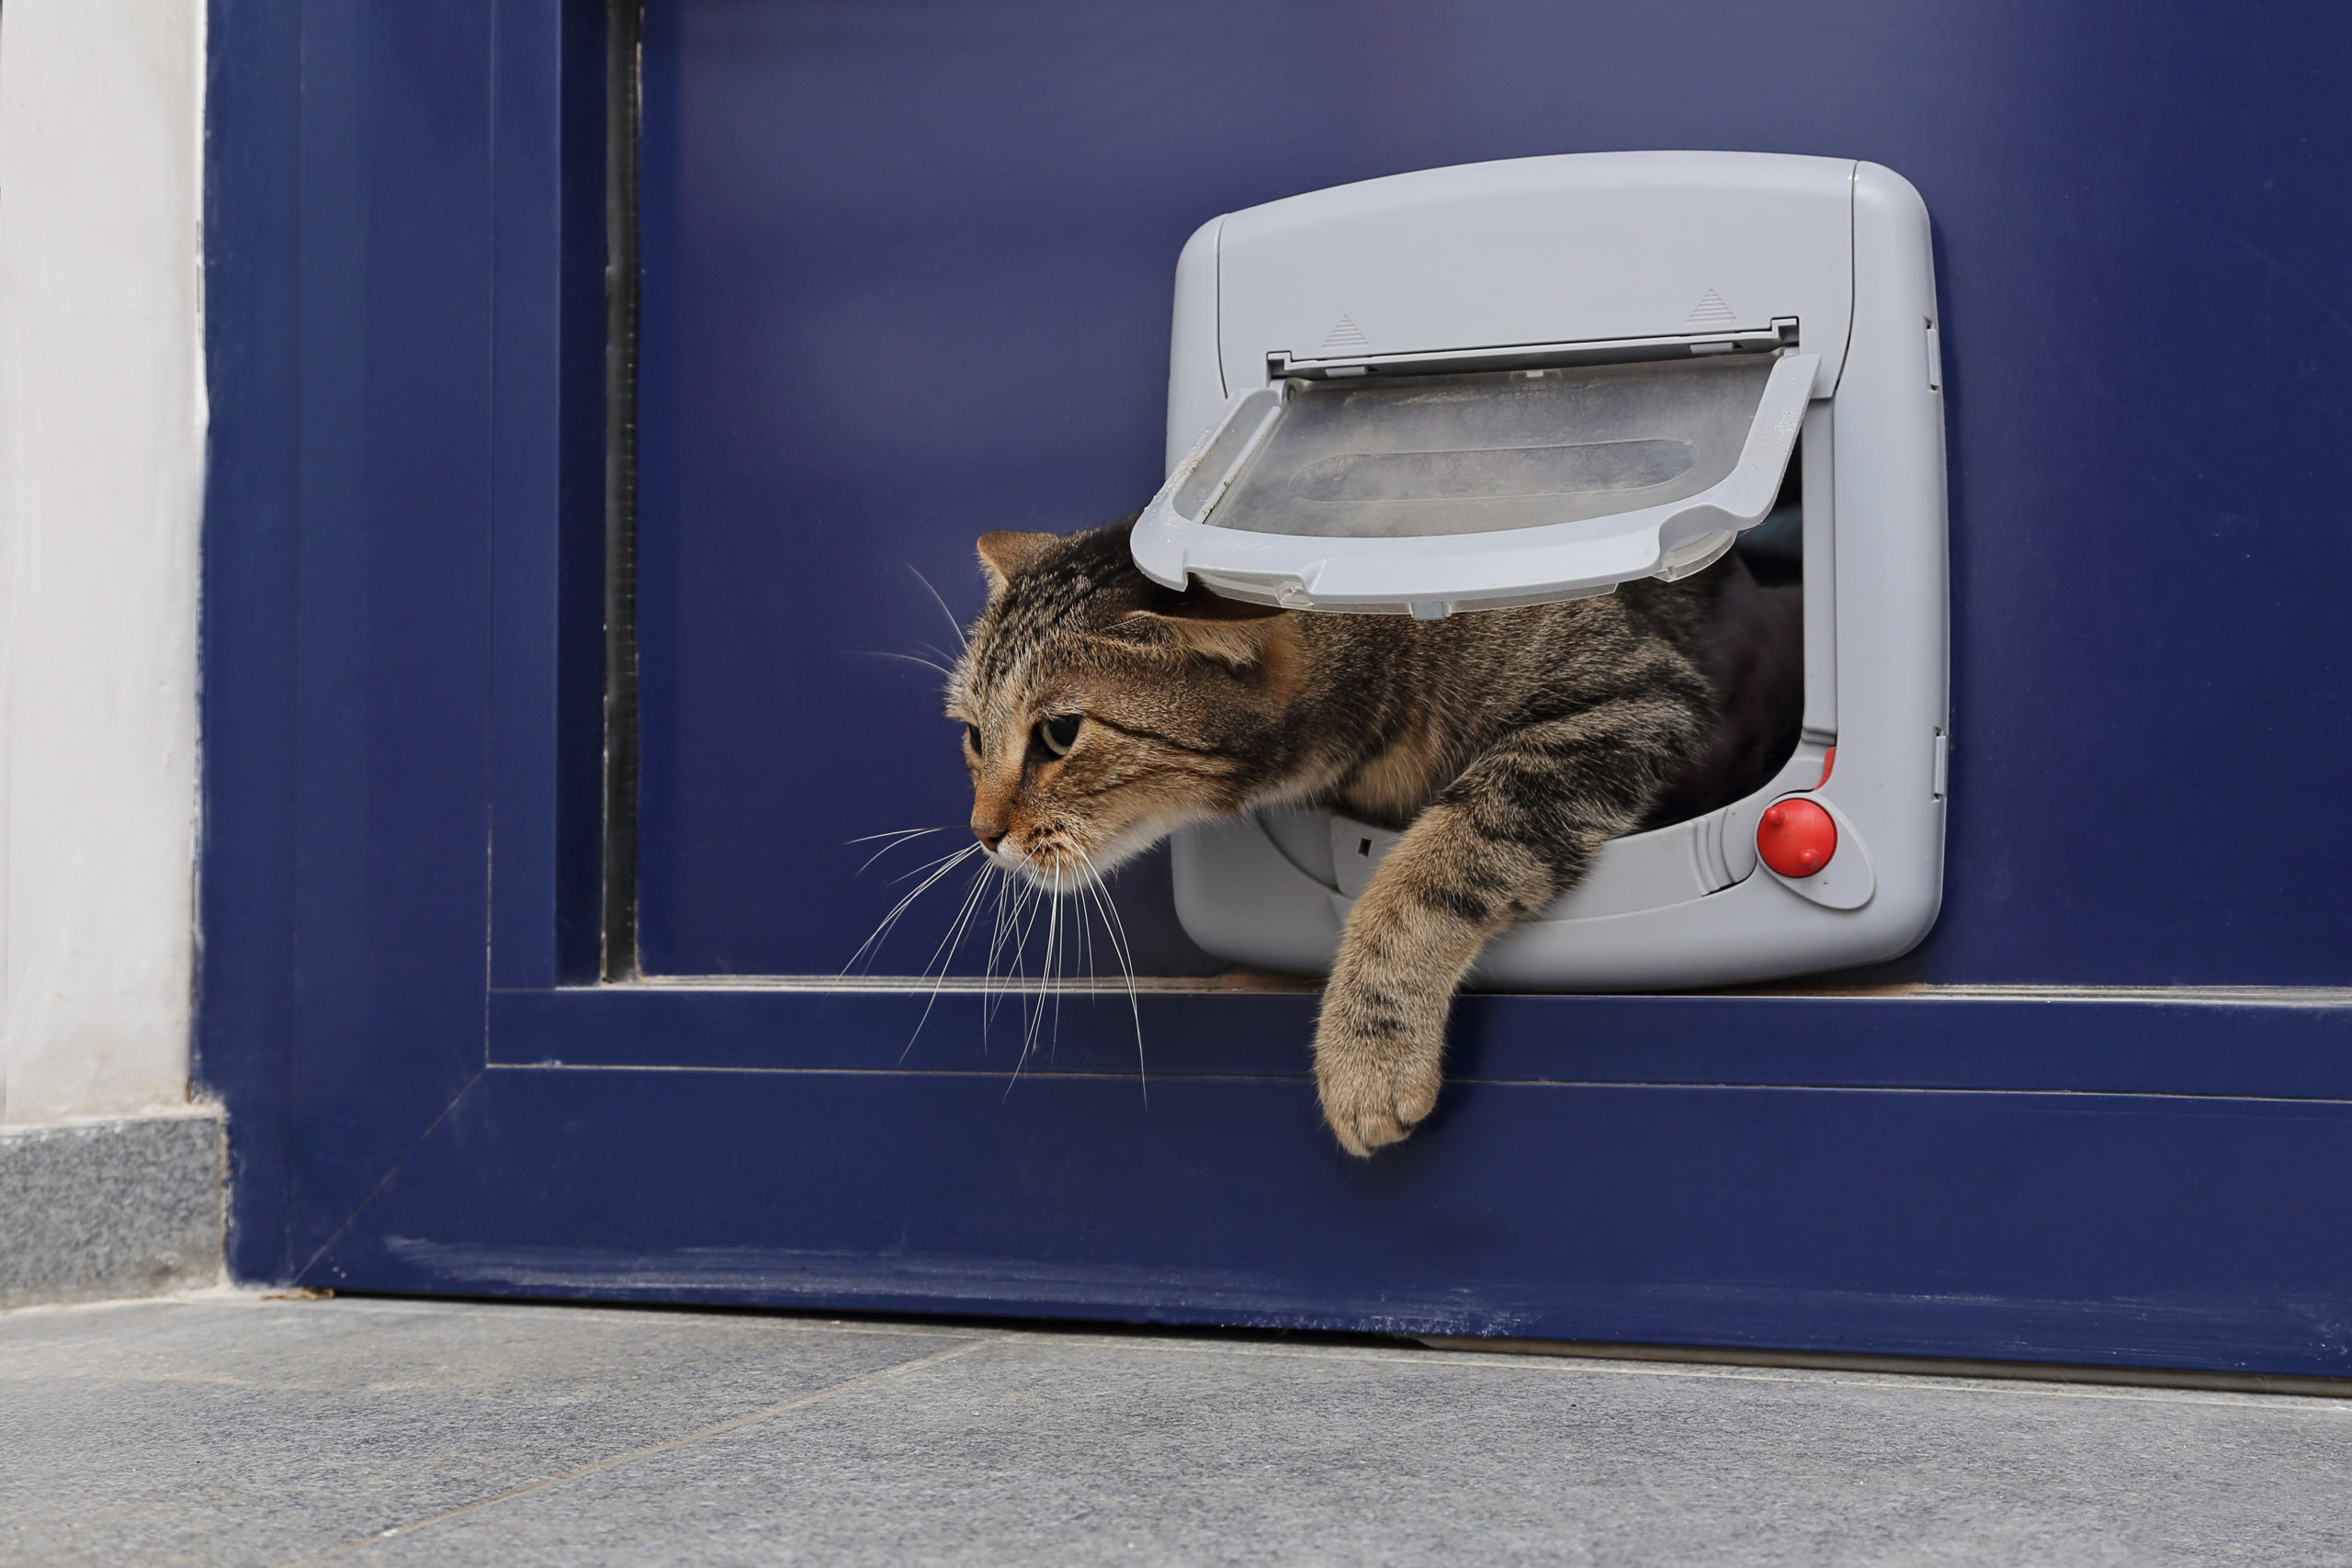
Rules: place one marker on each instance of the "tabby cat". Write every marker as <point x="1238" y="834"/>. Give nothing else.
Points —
<point x="1102" y="711"/>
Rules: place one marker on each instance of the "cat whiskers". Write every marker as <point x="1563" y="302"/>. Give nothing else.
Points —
<point x="908" y="657"/>
<point x="931" y="872"/>
<point x="1060" y="889"/>
<point x="962" y="639"/>
<point x="1116" y="930"/>
<point x="904" y="835"/>
<point x="1071" y="879"/>
<point x="943" y="956"/>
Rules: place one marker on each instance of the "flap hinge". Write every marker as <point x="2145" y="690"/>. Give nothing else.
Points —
<point x="1781" y="335"/>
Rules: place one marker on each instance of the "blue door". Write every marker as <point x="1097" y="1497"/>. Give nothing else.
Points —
<point x="604" y="406"/>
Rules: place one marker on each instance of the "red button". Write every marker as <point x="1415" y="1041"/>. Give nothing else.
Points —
<point x="1796" y="837"/>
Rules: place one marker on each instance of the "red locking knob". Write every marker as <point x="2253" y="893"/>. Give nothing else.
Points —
<point x="1796" y="837"/>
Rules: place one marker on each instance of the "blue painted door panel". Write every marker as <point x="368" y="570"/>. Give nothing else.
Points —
<point x="2028" y="1226"/>
<point x="908" y="277"/>
<point x="907" y="273"/>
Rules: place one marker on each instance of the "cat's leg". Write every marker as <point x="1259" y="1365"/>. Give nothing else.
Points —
<point x="1516" y="830"/>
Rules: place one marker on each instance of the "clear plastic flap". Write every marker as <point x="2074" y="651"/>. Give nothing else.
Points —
<point x="1433" y="455"/>
<point x="1458" y="491"/>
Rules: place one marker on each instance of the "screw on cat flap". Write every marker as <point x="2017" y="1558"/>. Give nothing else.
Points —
<point x="1526" y="381"/>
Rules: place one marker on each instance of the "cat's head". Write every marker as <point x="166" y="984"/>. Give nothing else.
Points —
<point x="1102" y="711"/>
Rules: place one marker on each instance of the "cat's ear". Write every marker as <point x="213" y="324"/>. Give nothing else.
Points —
<point x="1200" y="622"/>
<point x="1005" y="554"/>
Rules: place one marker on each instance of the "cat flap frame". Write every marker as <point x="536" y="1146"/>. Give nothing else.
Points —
<point x="1471" y="381"/>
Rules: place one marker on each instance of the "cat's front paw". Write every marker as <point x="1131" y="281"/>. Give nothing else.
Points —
<point x="1376" y="1083"/>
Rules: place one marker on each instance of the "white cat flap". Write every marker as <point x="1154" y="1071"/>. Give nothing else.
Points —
<point x="1521" y="382"/>
<point x="1506" y="383"/>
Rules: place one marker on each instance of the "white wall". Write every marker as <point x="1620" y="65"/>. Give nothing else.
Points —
<point x="101" y="464"/>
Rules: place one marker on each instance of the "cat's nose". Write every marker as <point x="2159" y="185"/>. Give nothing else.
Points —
<point x="990" y="837"/>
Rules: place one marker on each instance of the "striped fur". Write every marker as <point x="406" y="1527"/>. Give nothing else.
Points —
<point x="1509" y="744"/>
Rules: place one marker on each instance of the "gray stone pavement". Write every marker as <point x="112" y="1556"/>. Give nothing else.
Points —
<point x="227" y="1428"/>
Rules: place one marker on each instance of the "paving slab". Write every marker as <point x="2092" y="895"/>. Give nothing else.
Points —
<point x="235" y="1430"/>
<point x="243" y="1431"/>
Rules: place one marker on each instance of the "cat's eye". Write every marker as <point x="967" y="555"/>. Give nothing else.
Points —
<point x="1058" y="734"/>
<point x="972" y="738"/>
